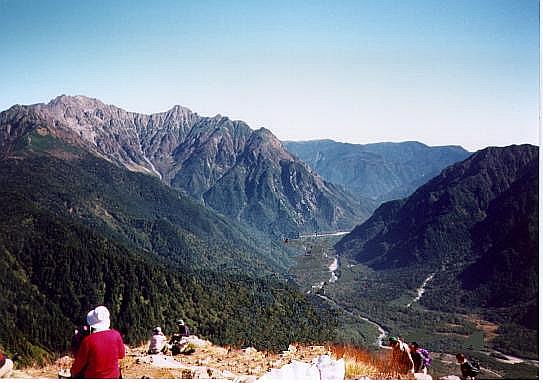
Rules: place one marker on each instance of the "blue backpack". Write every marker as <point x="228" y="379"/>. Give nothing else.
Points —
<point x="426" y="359"/>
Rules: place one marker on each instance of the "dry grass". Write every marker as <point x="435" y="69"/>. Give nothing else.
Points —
<point x="489" y="328"/>
<point x="362" y="363"/>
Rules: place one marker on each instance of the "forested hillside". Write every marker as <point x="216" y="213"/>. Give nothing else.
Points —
<point x="77" y="231"/>
<point x="474" y="229"/>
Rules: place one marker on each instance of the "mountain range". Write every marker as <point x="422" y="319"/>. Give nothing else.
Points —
<point x="379" y="172"/>
<point x="243" y="173"/>
<point x="170" y="214"/>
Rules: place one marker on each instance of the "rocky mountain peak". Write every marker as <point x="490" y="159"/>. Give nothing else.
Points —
<point x="263" y="142"/>
<point x="78" y="100"/>
<point x="244" y="172"/>
<point x="179" y="111"/>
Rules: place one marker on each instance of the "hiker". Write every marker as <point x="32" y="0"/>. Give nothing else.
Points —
<point x="6" y="366"/>
<point x="77" y="338"/>
<point x="99" y="353"/>
<point x="421" y="358"/>
<point x="469" y="369"/>
<point x="182" y="330"/>
<point x="177" y="343"/>
<point x="158" y="343"/>
<point x="401" y="360"/>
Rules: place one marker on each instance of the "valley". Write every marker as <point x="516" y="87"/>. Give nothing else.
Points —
<point x="357" y="294"/>
<point x="92" y="195"/>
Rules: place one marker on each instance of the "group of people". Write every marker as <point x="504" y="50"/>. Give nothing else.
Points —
<point x="97" y="348"/>
<point x="411" y="358"/>
<point x="159" y="344"/>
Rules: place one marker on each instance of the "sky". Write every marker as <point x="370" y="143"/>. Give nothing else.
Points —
<point x="460" y="72"/>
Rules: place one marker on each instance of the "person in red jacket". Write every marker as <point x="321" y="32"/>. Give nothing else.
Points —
<point x="6" y="366"/>
<point x="99" y="353"/>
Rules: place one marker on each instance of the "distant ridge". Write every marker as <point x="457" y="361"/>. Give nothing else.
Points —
<point x="380" y="171"/>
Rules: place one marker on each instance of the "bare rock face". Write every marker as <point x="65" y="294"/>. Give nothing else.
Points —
<point x="245" y="174"/>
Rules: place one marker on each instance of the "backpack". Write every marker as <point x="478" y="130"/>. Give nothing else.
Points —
<point x="426" y="359"/>
<point x="474" y="368"/>
<point x="470" y="368"/>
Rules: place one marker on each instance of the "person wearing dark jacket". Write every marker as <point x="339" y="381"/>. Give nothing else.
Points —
<point x="176" y="341"/>
<point x="418" y="359"/>
<point x="467" y="368"/>
<point x="99" y="353"/>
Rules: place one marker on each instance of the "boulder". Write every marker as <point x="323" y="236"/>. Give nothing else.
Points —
<point x="245" y="379"/>
<point x="293" y="371"/>
<point x="321" y="368"/>
<point x="330" y="369"/>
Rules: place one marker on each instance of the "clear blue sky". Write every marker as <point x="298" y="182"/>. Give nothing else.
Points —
<point x="441" y="72"/>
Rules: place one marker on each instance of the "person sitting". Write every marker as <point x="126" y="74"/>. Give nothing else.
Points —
<point x="158" y="343"/>
<point x="99" y="353"/>
<point x="401" y="360"/>
<point x="6" y="366"/>
<point x="177" y="342"/>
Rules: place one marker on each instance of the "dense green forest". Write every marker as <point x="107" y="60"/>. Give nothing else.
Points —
<point x="133" y="208"/>
<point x="81" y="232"/>
<point x="475" y="228"/>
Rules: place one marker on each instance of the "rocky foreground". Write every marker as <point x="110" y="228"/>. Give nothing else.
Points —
<point x="242" y="365"/>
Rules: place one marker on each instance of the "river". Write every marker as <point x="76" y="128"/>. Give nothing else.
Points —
<point x="336" y="234"/>
<point x="333" y="278"/>
<point x="420" y="290"/>
<point x="382" y="333"/>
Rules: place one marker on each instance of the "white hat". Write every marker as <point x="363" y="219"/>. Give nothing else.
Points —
<point x="98" y="318"/>
<point x="157" y="329"/>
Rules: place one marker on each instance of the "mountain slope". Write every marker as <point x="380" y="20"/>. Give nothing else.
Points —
<point x="474" y="228"/>
<point x="220" y="161"/>
<point x="381" y="171"/>
<point x="433" y="224"/>
<point x="77" y="231"/>
<point x="134" y="208"/>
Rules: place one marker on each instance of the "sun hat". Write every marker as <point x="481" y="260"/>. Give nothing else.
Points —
<point x="157" y="329"/>
<point x="98" y="319"/>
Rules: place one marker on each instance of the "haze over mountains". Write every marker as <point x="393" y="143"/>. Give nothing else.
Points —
<point x="380" y="171"/>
